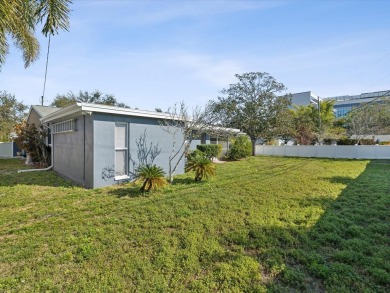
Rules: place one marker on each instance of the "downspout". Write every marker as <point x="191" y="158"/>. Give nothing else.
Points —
<point x="35" y="170"/>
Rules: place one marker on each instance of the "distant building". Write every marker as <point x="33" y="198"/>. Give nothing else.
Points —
<point x="343" y="104"/>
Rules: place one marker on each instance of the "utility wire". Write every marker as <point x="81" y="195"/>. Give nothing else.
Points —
<point x="47" y="62"/>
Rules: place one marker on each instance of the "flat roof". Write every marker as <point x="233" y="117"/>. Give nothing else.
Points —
<point x="78" y="109"/>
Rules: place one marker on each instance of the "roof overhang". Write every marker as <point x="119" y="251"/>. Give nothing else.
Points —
<point x="79" y="109"/>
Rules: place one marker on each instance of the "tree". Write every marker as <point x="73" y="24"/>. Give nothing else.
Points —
<point x="252" y="105"/>
<point x="315" y="124"/>
<point x="96" y="97"/>
<point x="285" y="127"/>
<point x="32" y="139"/>
<point x="369" y="119"/>
<point x="183" y="127"/>
<point x="11" y="113"/>
<point x="19" y="18"/>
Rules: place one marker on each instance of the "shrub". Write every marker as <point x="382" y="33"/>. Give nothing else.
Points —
<point x="152" y="177"/>
<point x="350" y="141"/>
<point x="210" y="150"/>
<point x="203" y="167"/>
<point x="195" y="153"/>
<point x="219" y="150"/>
<point x="32" y="139"/>
<point x="241" y="148"/>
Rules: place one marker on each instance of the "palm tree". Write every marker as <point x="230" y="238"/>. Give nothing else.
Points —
<point x="203" y="167"/>
<point x="152" y="177"/>
<point x="18" y="19"/>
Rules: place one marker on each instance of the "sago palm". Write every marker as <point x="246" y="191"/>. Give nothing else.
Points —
<point x="153" y="177"/>
<point x="202" y="166"/>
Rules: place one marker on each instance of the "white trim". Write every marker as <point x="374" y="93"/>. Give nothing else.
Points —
<point x="122" y="177"/>
<point x="122" y="149"/>
<point x="64" y="126"/>
<point x="97" y="108"/>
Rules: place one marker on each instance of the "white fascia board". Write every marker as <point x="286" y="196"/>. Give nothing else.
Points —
<point x="80" y="108"/>
<point x="122" y="111"/>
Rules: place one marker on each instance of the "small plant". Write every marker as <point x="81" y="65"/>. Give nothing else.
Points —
<point x="203" y="167"/>
<point x="242" y="148"/>
<point x="152" y="177"/>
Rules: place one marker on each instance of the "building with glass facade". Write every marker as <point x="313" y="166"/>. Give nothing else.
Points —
<point x="343" y="104"/>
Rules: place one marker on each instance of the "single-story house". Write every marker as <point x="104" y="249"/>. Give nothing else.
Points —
<point x="98" y="145"/>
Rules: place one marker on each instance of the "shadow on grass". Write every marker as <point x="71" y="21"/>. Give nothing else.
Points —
<point x="126" y="191"/>
<point x="347" y="249"/>
<point x="184" y="181"/>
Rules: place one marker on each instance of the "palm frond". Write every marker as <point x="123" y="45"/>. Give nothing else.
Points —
<point x="202" y="166"/>
<point x="152" y="177"/>
<point x="54" y="14"/>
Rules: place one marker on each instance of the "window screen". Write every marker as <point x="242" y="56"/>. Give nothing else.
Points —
<point x="120" y="149"/>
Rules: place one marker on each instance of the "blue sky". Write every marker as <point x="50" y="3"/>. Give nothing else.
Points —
<point x="152" y="54"/>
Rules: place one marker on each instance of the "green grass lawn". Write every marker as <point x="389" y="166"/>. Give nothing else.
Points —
<point x="262" y="224"/>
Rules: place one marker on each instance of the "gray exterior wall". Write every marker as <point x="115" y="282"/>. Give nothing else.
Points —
<point x="104" y="145"/>
<point x="197" y="141"/>
<point x="73" y="152"/>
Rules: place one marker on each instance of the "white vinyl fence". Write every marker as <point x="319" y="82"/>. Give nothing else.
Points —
<point x="7" y="149"/>
<point x="326" y="151"/>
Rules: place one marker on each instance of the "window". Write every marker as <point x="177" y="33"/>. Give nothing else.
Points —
<point x="203" y="138"/>
<point x="64" y="126"/>
<point x="121" y="151"/>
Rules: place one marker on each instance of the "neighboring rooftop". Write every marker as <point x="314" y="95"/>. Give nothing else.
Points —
<point x="361" y="96"/>
<point x="44" y="110"/>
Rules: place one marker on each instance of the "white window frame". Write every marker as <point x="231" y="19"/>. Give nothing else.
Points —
<point x="123" y="176"/>
<point x="64" y="126"/>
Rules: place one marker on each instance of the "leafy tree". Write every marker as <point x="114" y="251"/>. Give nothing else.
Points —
<point x="252" y="105"/>
<point x="32" y="139"/>
<point x="315" y="125"/>
<point x="96" y="97"/>
<point x="19" y="18"/>
<point x="202" y="166"/>
<point x="152" y="177"/>
<point x="369" y="119"/>
<point x="285" y="127"/>
<point x="305" y="124"/>
<point x="11" y="113"/>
